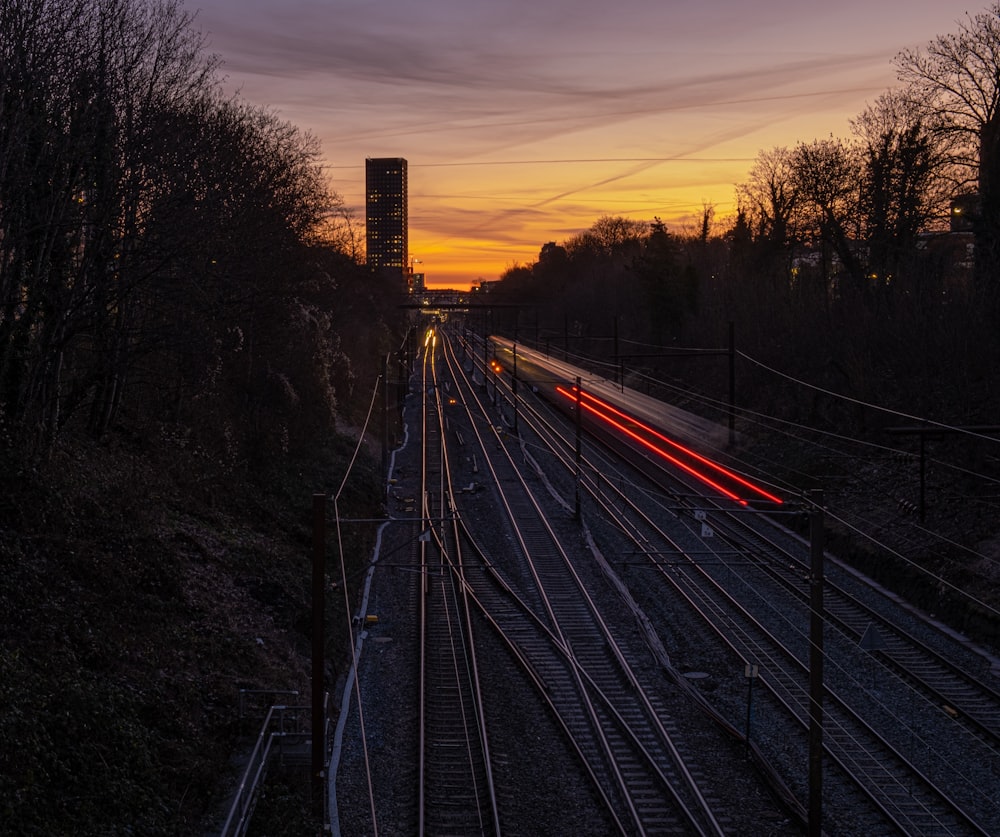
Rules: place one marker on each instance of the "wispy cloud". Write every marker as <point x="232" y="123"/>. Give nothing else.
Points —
<point x="631" y="86"/>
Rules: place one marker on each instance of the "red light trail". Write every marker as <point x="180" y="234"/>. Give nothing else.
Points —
<point x="606" y="412"/>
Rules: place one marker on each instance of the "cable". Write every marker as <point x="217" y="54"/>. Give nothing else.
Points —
<point x="800" y="433"/>
<point x="347" y="603"/>
<point x="860" y="403"/>
<point x="939" y="579"/>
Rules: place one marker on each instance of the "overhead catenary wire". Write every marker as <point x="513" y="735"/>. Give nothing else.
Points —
<point x="802" y="433"/>
<point x="924" y="421"/>
<point x="379" y="381"/>
<point x="702" y="398"/>
<point x="909" y="562"/>
<point x="782" y="425"/>
<point x="777" y="424"/>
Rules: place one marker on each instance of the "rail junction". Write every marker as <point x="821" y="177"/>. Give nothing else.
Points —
<point x="576" y="568"/>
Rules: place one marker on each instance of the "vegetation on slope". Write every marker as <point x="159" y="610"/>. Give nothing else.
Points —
<point x="140" y="594"/>
<point x="185" y="327"/>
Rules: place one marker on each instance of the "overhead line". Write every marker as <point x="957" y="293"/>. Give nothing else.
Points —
<point x="570" y="160"/>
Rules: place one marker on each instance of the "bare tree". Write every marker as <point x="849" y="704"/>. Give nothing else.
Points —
<point x="769" y="198"/>
<point x="827" y="177"/>
<point x="609" y="237"/>
<point x="956" y="79"/>
<point x="79" y="83"/>
<point x="158" y="241"/>
<point x="903" y="184"/>
<point x="343" y="231"/>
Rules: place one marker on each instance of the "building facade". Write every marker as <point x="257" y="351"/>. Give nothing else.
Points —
<point x="386" y="215"/>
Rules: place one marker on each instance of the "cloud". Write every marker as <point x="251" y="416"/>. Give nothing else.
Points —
<point x="560" y="110"/>
<point x="398" y="89"/>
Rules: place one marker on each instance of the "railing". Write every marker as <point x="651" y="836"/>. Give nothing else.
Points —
<point x="281" y="723"/>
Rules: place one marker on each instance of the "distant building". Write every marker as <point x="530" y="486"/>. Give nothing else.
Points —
<point x="386" y="218"/>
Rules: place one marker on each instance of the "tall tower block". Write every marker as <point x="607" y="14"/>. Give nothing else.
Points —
<point x="386" y="215"/>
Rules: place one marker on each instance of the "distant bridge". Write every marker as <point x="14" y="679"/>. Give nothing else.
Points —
<point x="450" y="300"/>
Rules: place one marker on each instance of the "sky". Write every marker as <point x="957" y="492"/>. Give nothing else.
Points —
<point x="525" y="121"/>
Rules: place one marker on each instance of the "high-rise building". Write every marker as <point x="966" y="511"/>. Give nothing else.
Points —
<point x="386" y="214"/>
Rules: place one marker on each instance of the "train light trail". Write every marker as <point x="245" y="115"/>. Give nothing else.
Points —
<point x="616" y="418"/>
<point x="687" y="451"/>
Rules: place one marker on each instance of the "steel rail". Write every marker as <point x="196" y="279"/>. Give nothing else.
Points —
<point x="454" y="559"/>
<point x="597" y="492"/>
<point x="704" y="820"/>
<point x="458" y="703"/>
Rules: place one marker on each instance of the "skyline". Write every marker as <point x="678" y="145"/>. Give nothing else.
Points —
<point x="525" y="122"/>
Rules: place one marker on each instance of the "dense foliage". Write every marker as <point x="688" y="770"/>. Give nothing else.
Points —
<point x="183" y="326"/>
<point x="167" y="255"/>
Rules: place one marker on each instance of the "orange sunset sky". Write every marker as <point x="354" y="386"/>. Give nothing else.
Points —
<point x="524" y="122"/>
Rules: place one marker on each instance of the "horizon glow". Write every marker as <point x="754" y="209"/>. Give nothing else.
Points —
<point x="526" y="122"/>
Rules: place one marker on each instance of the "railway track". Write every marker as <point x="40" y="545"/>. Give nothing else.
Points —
<point x="456" y="789"/>
<point x="544" y="612"/>
<point x="871" y="755"/>
<point x="964" y="695"/>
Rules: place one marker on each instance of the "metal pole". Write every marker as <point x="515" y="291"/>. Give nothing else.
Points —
<point x="923" y="477"/>
<point x="513" y="389"/>
<point x="732" y="383"/>
<point x="751" y="674"/>
<point x="410" y="338"/>
<point x="579" y="393"/>
<point x="816" y="690"/>
<point x="617" y="358"/>
<point x="385" y="423"/>
<point x="318" y="654"/>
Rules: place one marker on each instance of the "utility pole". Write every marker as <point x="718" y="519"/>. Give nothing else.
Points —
<point x="929" y="433"/>
<point x="751" y="672"/>
<point x="385" y="422"/>
<point x="619" y="363"/>
<point x="513" y="389"/>
<point x="816" y="689"/>
<point x="579" y="419"/>
<point x="486" y="361"/>
<point x="732" y="382"/>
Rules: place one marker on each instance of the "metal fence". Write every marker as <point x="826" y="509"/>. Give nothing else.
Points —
<point x="284" y="729"/>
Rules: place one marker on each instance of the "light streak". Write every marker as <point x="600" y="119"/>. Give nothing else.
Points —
<point x="610" y="411"/>
<point x="704" y="460"/>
